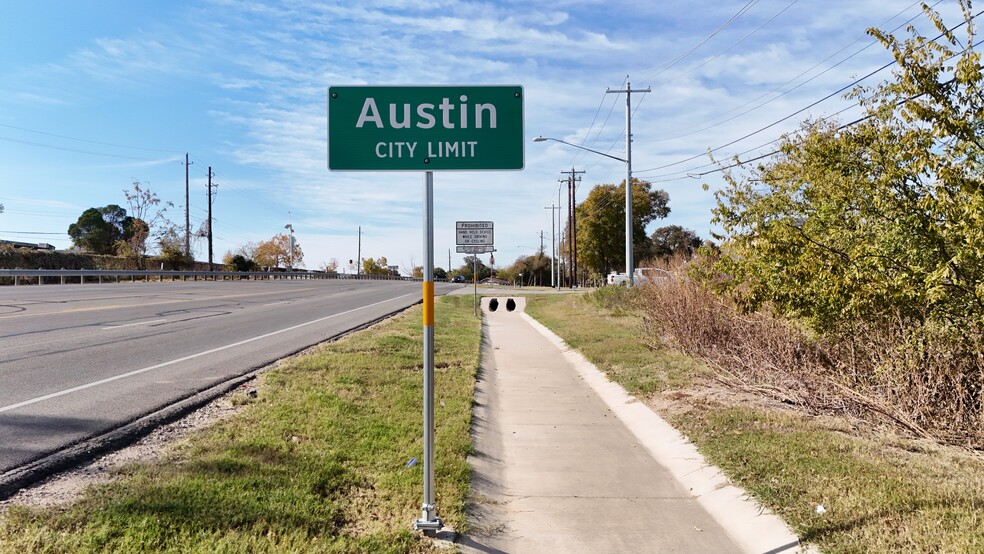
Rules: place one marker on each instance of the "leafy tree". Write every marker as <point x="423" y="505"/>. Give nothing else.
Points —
<point x="879" y="220"/>
<point x="103" y="230"/>
<point x="276" y="253"/>
<point x="238" y="263"/>
<point x="474" y="265"/>
<point x="674" y="240"/>
<point x="535" y="269"/>
<point x="242" y="257"/>
<point x="379" y="266"/>
<point x="117" y="217"/>
<point x="439" y="273"/>
<point x="601" y="224"/>
<point x="91" y="232"/>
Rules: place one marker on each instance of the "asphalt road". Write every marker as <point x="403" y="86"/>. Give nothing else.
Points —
<point x="77" y="361"/>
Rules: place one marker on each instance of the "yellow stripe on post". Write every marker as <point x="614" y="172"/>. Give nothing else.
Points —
<point x="428" y="303"/>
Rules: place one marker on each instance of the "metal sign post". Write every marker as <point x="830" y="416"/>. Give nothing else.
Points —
<point x="475" y="237"/>
<point x="427" y="128"/>
<point x="428" y="519"/>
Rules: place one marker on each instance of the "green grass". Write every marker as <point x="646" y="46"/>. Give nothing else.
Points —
<point x="317" y="463"/>
<point x="608" y="334"/>
<point x="882" y="493"/>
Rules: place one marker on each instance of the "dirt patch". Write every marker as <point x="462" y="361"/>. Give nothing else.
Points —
<point x="710" y="392"/>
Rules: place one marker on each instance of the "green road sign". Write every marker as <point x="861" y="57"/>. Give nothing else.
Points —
<point x="425" y="128"/>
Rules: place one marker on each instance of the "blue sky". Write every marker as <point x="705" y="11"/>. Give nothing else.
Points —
<point x="96" y="94"/>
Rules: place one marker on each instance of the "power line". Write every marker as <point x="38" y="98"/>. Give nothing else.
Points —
<point x="234" y="188"/>
<point x="76" y="150"/>
<point x="602" y="128"/>
<point x="770" y="125"/>
<point x="739" y="41"/>
<point x="774" y="123"/>
<point x="722" y="52"/>
<point x="857" y="81"/>
<point x="681" y="57"/>
<point x="780" y="87"/>
<point x="26" y="130"/>
<point x="638" y="106"/>
<point x="591" y="126"/>
<point x="34" y="233"/>
<point x="839" y="128"/>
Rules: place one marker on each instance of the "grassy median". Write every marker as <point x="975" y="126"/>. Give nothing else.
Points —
<point x="842" y="485"/>
<point x="317" y="462"/>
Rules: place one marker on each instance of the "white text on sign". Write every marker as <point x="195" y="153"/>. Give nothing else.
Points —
<point x="438" y="149"/>
<point x="425" y="115"/>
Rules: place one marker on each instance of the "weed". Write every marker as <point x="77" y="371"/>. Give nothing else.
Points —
<point x="919" y="377"/>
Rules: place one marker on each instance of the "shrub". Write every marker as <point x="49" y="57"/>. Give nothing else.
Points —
<point x="921" y="377"/>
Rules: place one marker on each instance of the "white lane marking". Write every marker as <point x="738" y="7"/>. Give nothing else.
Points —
<point x="132" y="324"/>
<point x="277" y="303"/>
<point x="186" y="358"/>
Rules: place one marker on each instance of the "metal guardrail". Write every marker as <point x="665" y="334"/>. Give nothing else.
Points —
<point x="64" y="276"/>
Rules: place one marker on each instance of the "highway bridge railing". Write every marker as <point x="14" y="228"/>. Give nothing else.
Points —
<point x="68" y="276"/>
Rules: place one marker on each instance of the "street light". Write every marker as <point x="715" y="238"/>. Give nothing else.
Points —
<point x="544" y="139"/>
<point x="628" y="195"/>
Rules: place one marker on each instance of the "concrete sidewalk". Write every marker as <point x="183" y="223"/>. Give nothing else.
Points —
<point x="566" y="462"/>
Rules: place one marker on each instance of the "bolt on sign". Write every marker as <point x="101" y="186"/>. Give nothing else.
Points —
<point x="425" y="128"/>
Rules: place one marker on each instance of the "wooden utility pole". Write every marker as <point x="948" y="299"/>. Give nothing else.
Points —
<point x="572" y="179"/>
<point x="553" y="243"/>
<point x="210" y="194"/>
<point x="187" y="211"/>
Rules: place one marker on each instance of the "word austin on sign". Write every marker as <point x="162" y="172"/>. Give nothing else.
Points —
<point x="425" y="128"/>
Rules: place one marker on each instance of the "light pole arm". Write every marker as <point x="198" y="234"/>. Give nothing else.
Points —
<point x="542" y="139"/>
